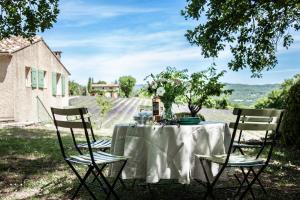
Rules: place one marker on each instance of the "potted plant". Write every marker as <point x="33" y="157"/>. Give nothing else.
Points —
<point x="167" y="85"/>
<point x="201" y="87"/>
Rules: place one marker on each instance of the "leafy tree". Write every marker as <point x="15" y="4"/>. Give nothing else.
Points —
<point x="126" y="84"/>
<point x="252" y="29"/>
<point x="75" y="89"/>
<point x="278" y="98"/>
<point x="101" y="82"/>
<point x="221" y="103"/>
<point x="217" y="103"/>
<point x="288" y="98"/>
<point x="275" y="99"/>
<point x="26" y="17"/>
<point x="105" y="105"/>
<point x="201" y="86"/>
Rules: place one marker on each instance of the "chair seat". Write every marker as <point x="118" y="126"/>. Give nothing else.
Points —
<point x="99" y="157"/>
<point x="98" y="144"/>
<point x="234" y="160"/>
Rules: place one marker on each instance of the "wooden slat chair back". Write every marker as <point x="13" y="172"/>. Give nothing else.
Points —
<point x="100" y="144"/>
<point x="255" y="120"/>
<point x="77" y="121"/>
<point x="75" y="118"/>
<point x="246" y="120"/>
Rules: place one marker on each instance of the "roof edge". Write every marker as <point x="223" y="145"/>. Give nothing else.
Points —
<point x="55" y="56"/>
<point x="40" y="40"/>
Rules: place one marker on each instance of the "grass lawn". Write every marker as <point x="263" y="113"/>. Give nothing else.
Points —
<point x="31" y="167"/>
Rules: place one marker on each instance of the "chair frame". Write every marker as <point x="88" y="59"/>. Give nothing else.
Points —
<point x="98" y="173"/>
<point x="260" y="167"/>
<point x="77" y="146"/>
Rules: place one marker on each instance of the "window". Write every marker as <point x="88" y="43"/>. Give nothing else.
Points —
<point x="58" y="84"/>
<point x="63" y="85"/>
<point x="27" y="77"/>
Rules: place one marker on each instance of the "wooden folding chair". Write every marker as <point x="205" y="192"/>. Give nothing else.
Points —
<point x="94" y="161"/>
<point x="254" y="165"/>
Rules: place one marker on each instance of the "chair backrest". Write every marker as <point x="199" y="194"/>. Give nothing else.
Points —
<point x="61" y="118"/>
<point x="256" y="120"/>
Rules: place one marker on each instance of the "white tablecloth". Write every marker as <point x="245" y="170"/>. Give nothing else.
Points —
<point x="168" y="152"/>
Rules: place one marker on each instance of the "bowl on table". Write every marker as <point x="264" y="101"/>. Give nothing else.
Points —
<point x="189" y="120"/>
<point x="143" y="117"/>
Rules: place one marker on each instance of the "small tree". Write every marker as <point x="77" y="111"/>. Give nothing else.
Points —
<point x="104" y="105"/>
<point x="201" y="86"/>
<point x="75" y="88"/>
<point x="101" y="82"/>
<point x="89" y="85"/>
<point x="26" y="17"/>
<point x="126" y="84"/>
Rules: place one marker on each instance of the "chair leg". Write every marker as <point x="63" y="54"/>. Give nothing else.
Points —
<point x="247" y="181"/>
<point x="118" y="178"/>
<point x="210" y="185"/>
<point x="96" y="175"/>
<point x="259" y="182"/>
<point x="252" y="182"/>
<point x="110" y="187"/>
<point x="99" y="181"/>
<point x="241" y="184"/>
<point x="82" y="180"/>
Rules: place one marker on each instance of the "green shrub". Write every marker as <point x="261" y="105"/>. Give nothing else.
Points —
<point x="291" y="122"/>
<point x="288" y="98"/>
<point x="105" y="105"/>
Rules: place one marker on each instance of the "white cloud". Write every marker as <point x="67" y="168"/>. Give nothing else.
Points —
<point x="124" y="52"/>
<point x="120" y="39"/>
<point x="139" y="64"/>
<point x="81" y="13"/>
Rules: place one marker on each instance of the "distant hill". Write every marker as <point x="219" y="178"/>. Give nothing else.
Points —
<point x="243" y="94"/>
<point x="248" y="94"/>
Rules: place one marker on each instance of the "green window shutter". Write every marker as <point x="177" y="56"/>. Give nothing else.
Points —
<point x="53" y="83"/>
<point x="33" y="78"/>
<point x="63" y="85"/>
<point x="41" y="79"/>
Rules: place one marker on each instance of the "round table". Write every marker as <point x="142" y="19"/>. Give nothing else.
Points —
<point x="168" y="152"/>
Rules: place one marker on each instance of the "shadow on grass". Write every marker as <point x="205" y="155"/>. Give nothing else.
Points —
<point x="31" y="167"/>
<point x="30" y="160"/>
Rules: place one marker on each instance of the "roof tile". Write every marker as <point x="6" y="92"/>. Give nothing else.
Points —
<point x="14" y="43"/>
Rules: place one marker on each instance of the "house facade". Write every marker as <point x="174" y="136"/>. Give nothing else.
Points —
<point x="108" y="90"/>
<point x="32" y="79"/>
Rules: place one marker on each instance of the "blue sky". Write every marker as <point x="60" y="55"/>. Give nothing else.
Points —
<point x="108" y="39"/>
